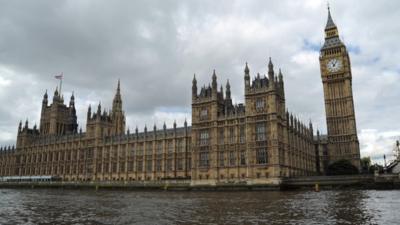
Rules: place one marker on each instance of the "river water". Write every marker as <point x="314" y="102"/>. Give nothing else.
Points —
<point x="55" y="206"/>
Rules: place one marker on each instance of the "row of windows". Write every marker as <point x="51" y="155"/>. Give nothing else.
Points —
<point x="261" y="158"/>
<point x="55" y="156"/>
<point x="231" y="135"/>
<point x="260" y="135"/>
<point x="232" y="159"/>
<point x="333" y="51"/>
<point x="106" y="167"/>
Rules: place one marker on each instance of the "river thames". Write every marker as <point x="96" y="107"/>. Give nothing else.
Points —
<point x="55" y="206"/>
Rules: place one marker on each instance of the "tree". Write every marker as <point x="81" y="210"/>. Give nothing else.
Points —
<point x="342" y="167"/>
<point x="375" y="167"/>
<point x="365" y="164"/>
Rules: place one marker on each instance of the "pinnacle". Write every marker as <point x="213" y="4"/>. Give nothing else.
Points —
<point x="329" y="23"/>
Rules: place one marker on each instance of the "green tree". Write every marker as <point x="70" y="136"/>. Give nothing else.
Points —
<point x="342" y="167"/>
<point x="365" y="164"/>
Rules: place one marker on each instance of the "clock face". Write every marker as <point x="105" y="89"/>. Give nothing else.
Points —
<point x="334" y="65"/>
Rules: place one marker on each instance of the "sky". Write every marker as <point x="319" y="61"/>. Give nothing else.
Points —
<point x="155" y="47"/>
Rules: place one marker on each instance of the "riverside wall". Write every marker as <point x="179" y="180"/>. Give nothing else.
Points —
<point x="386" y="181"/>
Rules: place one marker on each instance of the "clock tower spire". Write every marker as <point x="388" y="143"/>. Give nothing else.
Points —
<point x="338" y="94"/>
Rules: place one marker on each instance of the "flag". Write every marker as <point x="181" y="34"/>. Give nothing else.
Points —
<point x="60" y="77"/>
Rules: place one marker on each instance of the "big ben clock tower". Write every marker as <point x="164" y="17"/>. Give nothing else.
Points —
<point x="338" y="93"/>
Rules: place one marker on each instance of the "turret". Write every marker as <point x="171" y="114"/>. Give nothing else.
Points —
<point x="194" y="87"/>
<point x="291" y="120"/>
<point x="45" y="99"/>
<point x="98" y="111"/>
<point x="20" y="127"/>
<point x="117" y="114"/>
<point x="281" y="83"/>
<point x="89" y="112"/>
<point x="228" y="90"/>
<point x="246" y="77"/>
<point x="280" y="76"/>
<point x="214" y="85"/>
<point x="72" y="101"/>
<point x="271" y="73"/>
<point x="117" y="102"/>
<point x="214" y="80"/>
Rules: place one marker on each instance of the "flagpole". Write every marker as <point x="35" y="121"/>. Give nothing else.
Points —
<point x="61" y="78"/>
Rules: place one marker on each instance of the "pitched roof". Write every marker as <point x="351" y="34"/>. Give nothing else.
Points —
<point x="329" y="24"/>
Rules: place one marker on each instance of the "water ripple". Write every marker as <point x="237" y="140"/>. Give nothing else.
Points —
<point x="52" y="206"/>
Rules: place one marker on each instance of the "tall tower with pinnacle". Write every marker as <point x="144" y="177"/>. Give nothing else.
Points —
<point x="117" y="114"/>
<point x="338" y="94"/>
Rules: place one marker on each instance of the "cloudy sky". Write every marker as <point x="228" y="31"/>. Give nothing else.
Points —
<point x="155" y="47"/>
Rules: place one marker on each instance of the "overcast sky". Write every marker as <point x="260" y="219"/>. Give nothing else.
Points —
<point x="155" y="47"/>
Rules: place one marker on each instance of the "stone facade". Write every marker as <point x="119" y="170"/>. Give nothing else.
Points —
<point x="256" y="142"/>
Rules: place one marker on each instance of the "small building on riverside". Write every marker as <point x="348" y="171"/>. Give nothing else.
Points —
<point x="394" y="167"/>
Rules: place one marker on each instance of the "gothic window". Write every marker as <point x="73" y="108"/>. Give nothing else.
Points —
<point x="179" y="164"/>
<point x="130" y="166"/>
<point x="140" y="166"/>
<point x="159" y="147"/>
<point x="203" y="114"/>
<point x="221" y="159"/>
<point x="221" y="136"/>
<point x="242" y="134"/>
<point x="261" y="156"/>
<point x="149" y="148"/>
<point x="132" y="153"/>
<point x="170" y="146"/>
<point x="159" y="165"/>
<point x="140" y="149"/>
<point x="232" y="158"/>
<point x="169" y="165"/>
<point x="149" y="165"/>
<point x="122" y="167"/>
<point x="232" y="135"/>
<point x="260" y="132"/>
<point x="259" y="104"/>
<point x="114" y="167"/>
<point x="204" y="160"/>
<point x="204" y="137"/>
<point x="180" y="145"/>
<point x="242" y="158"/>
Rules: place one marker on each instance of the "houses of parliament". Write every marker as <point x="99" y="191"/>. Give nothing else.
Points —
<point x="256" y="142"/>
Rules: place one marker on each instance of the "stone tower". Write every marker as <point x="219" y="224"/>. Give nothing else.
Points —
<point x="207" y="106"/>
<point x="339" y="105"/>
<point x="58" y="118"/>
<point x="117" y="114"/>
<point x="265" y="123"/>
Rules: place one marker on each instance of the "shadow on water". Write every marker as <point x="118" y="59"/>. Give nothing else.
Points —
<point x="41" y="206"/>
